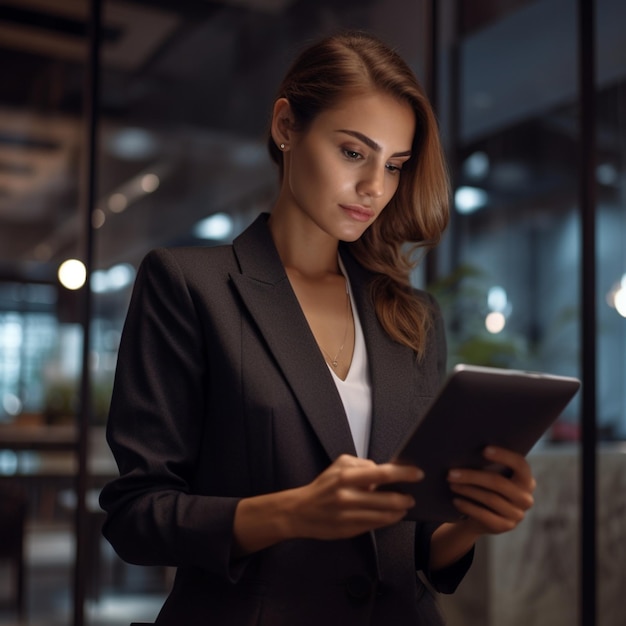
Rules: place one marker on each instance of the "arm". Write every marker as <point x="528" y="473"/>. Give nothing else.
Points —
<point x="155" y="431"/>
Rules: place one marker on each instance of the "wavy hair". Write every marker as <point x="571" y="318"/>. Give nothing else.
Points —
<point x="418" y="213"/>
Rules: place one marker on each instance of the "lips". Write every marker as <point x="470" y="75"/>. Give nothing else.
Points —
<point x="358" y="212"/>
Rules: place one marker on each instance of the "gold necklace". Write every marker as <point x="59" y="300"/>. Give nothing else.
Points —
<point x="335" y="361"/>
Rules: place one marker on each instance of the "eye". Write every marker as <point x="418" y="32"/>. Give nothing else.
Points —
<point x="352" y="154"/>
<point x="393" y="169"/>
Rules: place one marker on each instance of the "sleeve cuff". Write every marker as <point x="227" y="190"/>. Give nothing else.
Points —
<point x="448" y="579"/>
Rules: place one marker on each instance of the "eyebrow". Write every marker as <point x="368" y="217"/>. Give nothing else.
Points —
<point x="370" y="142"/>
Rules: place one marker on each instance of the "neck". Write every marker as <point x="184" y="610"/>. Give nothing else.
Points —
<point x="302" y="246"/>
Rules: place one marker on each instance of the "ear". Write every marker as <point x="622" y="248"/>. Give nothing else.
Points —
<point x="282" y="128"/>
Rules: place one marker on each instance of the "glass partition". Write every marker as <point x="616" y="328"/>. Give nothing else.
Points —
<point x="611" y="306"/>
<point x="43" y="48"/>
<point x="611" y="221"/>
<point x="511" y="293"/>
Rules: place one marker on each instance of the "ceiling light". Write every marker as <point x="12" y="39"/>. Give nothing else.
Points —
<point x="606" y="174"/>
<point x="218" y="226"/>
<point x="117" y="202"/>
<point x="133" y="144"/>
<point x="120" y="276"/>
<point x="98" y="217"/>
<point x="150" y="183"/>
<point x="497" y="299"/>
<point x="11" y="404"/>
<point x="114" y="279"/>
<point x="469" y="199"/>
<point x="249" y="155"/>
<point x="617" y="296"/>
<point x="476" y="166"/>
<point x="620" y="302"/>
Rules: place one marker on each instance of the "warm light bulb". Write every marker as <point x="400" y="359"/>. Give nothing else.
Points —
<point x="117" y="202"/>
<point x="150" y="183"/>
<point x="495" y="322"/>
<point x="72" y="274"/>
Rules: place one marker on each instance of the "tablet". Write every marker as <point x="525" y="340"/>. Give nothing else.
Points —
<point x="476" y="407"/>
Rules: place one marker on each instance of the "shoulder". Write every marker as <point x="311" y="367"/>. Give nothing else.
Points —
<point x="177" y="273"/>
<point x="190" y="261"/>
<point x="189" y="255"/>
<point x="254" y="244"/>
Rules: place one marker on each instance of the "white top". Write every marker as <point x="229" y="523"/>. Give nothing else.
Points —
<point x="356" y="389"/>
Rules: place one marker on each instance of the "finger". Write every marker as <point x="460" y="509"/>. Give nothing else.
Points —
<point x="350" y="522"/>
<point x="397" y="472"/>
<point x="487" y="518"/>
<point x="371" y="518"/>
<point x="348" y="460"/>
<point x="386" y="473"/>
<point x="355" y="499"/>
<point x="493" y="501"/>
<point x="517" y="463"/>
<point x="390" y="472"/>
<point x="506" y="488"/>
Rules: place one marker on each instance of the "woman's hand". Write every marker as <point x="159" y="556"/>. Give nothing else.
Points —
<point x="341" y="502"/>
<point x="491" y="502"/>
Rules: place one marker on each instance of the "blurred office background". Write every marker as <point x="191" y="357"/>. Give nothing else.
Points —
<point x="156" y="137"/>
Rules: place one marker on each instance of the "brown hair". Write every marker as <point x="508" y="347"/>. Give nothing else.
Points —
<point x="418" y="213"/>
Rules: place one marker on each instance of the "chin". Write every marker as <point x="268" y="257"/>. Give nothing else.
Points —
<point x="351" y="236"/>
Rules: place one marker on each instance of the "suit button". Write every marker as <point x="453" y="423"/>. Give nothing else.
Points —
<point x="359" y="587"/>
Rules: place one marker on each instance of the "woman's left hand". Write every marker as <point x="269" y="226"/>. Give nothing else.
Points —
<point x="491" y="502"/>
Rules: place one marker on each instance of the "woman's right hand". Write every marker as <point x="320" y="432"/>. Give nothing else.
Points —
<point x="342" y="502"/>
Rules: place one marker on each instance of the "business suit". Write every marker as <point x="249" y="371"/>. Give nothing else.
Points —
<point x="221" y="393"/>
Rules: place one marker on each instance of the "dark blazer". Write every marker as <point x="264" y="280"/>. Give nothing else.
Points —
<point x="222" y="393"/>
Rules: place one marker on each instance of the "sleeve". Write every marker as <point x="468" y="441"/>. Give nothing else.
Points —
<point x="448" y="579"/>
<point x="155" y="432"/>
<point x="445" y="580"/>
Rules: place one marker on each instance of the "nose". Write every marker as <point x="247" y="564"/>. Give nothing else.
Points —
<point x="372" y="183"/>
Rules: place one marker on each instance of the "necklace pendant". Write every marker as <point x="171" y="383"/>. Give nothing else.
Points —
<point x="334" y="363"/>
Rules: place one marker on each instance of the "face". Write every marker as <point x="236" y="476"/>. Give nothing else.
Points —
<point x="344" y="169"/>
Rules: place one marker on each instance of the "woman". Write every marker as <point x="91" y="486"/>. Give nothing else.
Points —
<point x="261" y="387"/>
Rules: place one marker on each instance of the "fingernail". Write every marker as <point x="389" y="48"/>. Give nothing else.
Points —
<point x="489" y="451"/>
<point x="454" y="474"/>
<point x="419" y="474"/>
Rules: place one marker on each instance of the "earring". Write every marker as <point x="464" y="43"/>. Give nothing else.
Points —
<point x="282" y="146"/>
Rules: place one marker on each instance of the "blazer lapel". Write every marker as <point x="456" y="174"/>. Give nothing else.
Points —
<point x="267" y="294"/>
